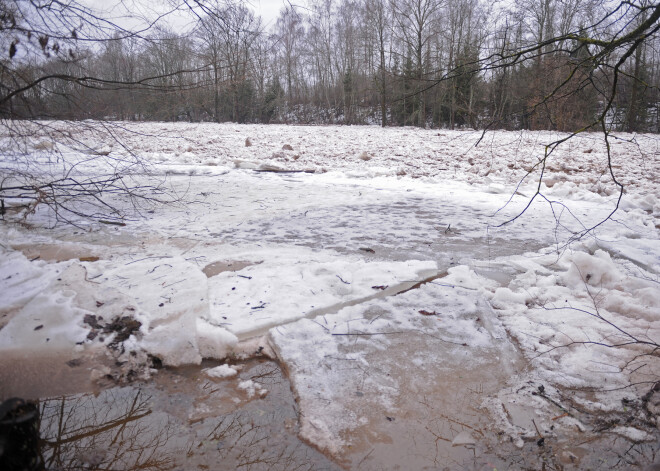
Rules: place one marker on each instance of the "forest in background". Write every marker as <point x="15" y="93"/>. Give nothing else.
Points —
<point x="532" y="64"/>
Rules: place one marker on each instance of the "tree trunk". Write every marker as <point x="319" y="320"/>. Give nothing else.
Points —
<point x="383" y="86"/>
<point x="216" y="93"/>
<point x="632" y="120"/>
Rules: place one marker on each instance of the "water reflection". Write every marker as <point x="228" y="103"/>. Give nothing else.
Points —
<point x="118" y="429"/>
<point x="183" y="420"/>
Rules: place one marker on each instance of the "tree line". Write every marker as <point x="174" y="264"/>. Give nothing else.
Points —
<point x="531" y="64"/>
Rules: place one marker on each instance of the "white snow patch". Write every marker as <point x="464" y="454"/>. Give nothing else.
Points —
<point x="222" y="371"/>
<point x="252" y="388"/>
<point x="634" y="434"/>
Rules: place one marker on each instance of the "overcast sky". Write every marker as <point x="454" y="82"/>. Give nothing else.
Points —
<point x="120" y="10"/>
<point x="268" y="9"/>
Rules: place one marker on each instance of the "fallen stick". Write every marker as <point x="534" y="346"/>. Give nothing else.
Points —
<point x="565" y="414"/>
<point x="342" y="280"/>
<point x="112" y="223"/>
<point x="534" y="393"/>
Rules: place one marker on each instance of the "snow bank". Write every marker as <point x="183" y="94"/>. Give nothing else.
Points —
<point x="581" y="318"/>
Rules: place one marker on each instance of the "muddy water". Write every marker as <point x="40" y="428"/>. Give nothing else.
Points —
<point x="31" y="376"/>
<point x="439" y="422"/>
<point x="216" y="268"/>
<point x="438" y="401"/>
<point x="181" y="420"/>
<point x="57" y="252"/>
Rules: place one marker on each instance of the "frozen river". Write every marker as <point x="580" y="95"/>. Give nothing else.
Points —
<point x="414" y="331"/>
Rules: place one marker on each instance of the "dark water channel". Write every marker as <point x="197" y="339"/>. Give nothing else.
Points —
<point x="183" y="419"/>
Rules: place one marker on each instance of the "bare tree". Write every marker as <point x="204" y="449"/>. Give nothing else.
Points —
<point x="211" y="49"/>
<point x="415" y="20"/>
<point x="378" y="21"/>
<point x="49" y="47"/>
<point x="596" y="57"/>
<point x="289" y="32"/>
<point x="320" y="38"/>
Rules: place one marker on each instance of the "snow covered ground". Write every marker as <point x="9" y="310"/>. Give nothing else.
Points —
<point x="371" y="263"/>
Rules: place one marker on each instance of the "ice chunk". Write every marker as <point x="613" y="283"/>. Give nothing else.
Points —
<point x="213" y="341"/>
<point x="245" y="164"/>
<point x="596" y="270"/>
<point x="252" y="388"/>
<point x="289" y="286"/>
<point x="465" y="439"/>
<point x="222" y="371"/>
<point x="172" y="294"/>
<point x="633" y="434"/>
<point x="175" y="343"/>
<point x="49" y="321"/>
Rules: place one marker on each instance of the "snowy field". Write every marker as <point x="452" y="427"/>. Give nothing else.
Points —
<point x="373" y="265"/>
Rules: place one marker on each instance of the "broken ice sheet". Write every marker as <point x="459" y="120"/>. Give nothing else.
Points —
<point x="295" y="282"/>
<point x="393" y="357"/>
